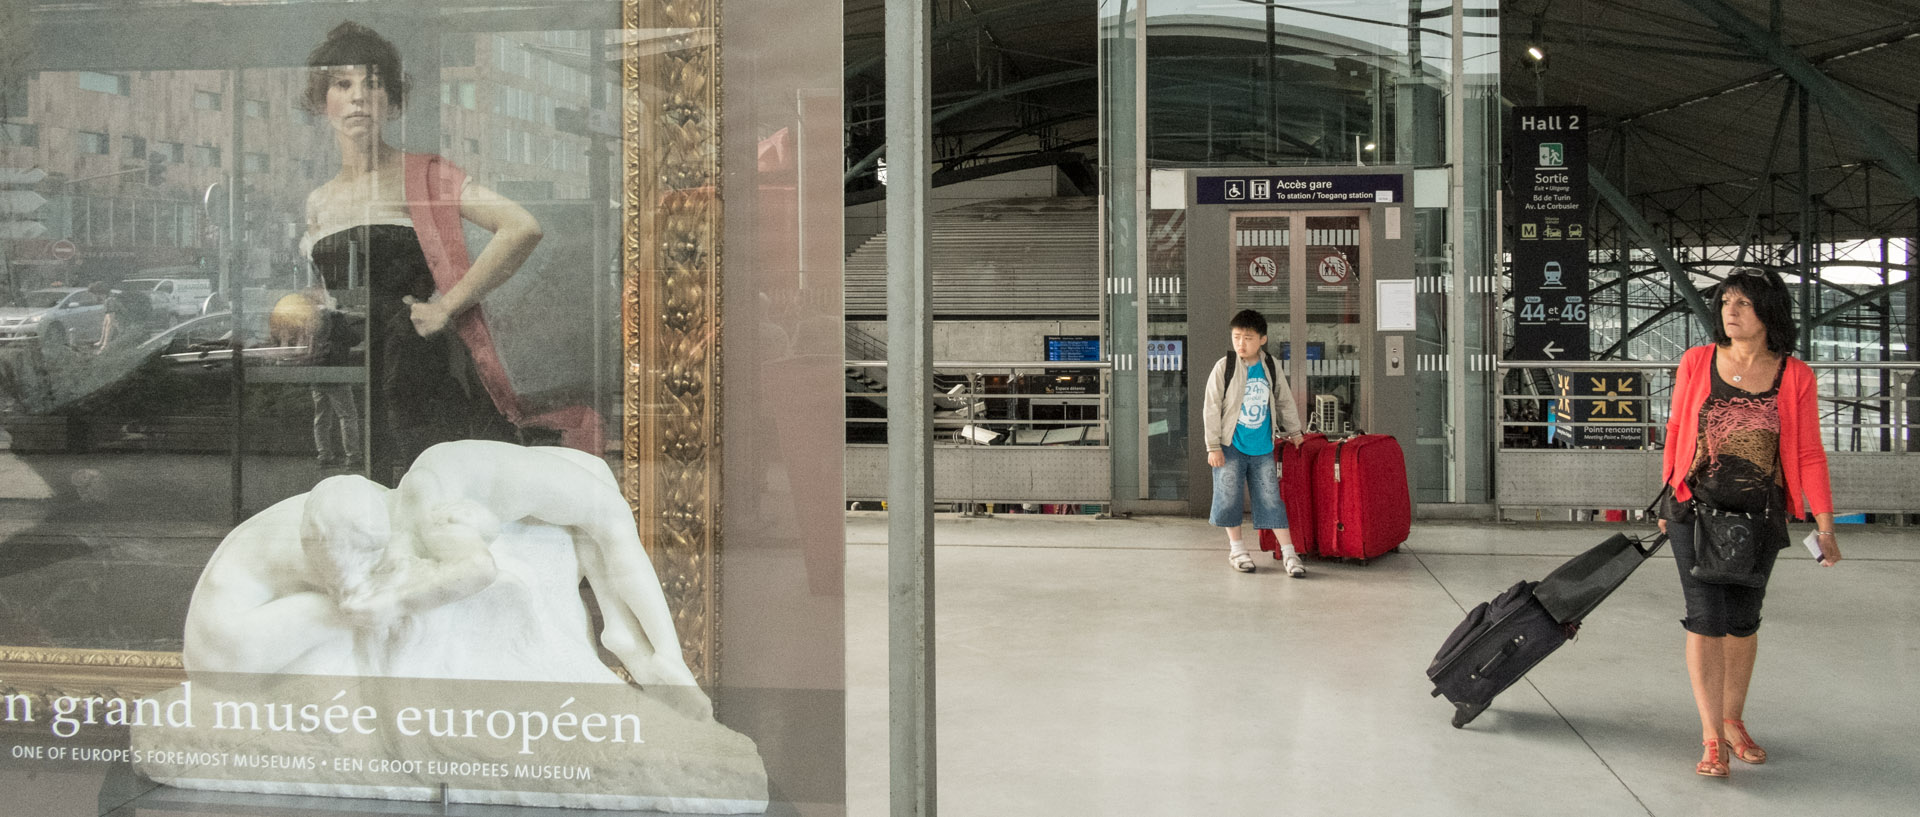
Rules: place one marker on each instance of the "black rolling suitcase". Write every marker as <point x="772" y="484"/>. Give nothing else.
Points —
<point x="1502" y="639"/>
<point x="1498" y="642"/>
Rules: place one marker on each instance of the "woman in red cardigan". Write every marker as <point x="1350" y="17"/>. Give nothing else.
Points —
<point x="1743" y="436"/>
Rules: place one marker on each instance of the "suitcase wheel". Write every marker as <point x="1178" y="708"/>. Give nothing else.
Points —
<point x="1464" y="713"/>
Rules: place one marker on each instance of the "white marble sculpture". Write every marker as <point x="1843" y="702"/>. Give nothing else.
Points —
<point x="468" y="570"/>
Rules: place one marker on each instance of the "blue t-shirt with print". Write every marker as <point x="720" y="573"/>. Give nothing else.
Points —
<point x="1253" y="436"/>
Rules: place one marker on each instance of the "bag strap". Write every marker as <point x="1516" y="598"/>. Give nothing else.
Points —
<point x="1653" y="508"/>
<point x="1704" y="508"/>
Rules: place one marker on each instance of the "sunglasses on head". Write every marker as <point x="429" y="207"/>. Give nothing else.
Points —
<point x="1745" y="278"/>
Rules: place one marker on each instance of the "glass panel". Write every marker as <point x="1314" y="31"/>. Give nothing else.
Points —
<point x="1264" y="83"/>
<point x="219" y="373"/>
<point x="1169" y="440"/>
<point x="1254" y="83"/>
<point x="1335" y="338"/>
<point x="1429" y="464"/>
<point x="1263" y="280"/>
<point x="1123" y="188"/>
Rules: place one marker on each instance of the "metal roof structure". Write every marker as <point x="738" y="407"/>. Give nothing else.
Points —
<point x="1696" y="103"/>
<point x="1758" y="132"/>
<point x="1014" y="86"/>
<point x="1698" y="109"/>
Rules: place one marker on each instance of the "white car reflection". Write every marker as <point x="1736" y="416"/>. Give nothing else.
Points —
<point x="60" y="315"/>
<point x="206" y="342"/>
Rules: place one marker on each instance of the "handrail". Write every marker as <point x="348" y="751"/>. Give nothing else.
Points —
<point x="1609" y="365"/>
<point x="1892" y="403"/>
<point x="948" y="417"/>
<point x="1018" y="364"/>
<point x="969" y="439"/>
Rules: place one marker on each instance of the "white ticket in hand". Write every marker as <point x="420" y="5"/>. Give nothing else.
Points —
<point x="1813" y="544"/>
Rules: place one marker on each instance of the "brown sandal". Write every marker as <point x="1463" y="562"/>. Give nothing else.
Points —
<point x="1741" y="744"/>
<point x="1712" y="765"/>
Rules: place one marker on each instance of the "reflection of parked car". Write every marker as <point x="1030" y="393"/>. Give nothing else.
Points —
<point x="176" y="298"/>
<point x="59" y="315"/>
<point x="205" y="343"/>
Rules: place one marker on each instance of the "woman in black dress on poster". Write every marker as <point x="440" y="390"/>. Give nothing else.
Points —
<point x="389" y="222"/>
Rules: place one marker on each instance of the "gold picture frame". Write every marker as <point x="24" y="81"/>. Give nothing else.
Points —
<point x="670" y="320"/>
<point x="670" y="250"/>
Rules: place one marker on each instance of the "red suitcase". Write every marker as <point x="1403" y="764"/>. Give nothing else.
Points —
<point x="1360" y="489"/>
<point x="1296" y="493"/>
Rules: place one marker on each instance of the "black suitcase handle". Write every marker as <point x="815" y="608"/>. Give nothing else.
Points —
<point x="1513" y="646"/>
<point x="1506" y="651"/>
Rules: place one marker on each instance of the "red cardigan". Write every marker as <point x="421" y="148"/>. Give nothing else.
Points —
<point x="1802" y="458"/>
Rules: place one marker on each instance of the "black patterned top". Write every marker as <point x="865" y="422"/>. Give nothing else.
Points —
<point x="1736" y="466"/>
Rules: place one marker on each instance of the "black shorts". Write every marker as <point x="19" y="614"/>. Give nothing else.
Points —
<point x="1716" y="610"/>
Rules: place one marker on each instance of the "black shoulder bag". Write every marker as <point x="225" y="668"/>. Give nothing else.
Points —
<point x="1726" y="544"/>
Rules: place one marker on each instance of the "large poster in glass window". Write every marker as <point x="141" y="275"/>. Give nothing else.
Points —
<point x="361" y="409"/>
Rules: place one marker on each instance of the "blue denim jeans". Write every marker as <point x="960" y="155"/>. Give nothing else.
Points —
<point x="1243" y="476"/>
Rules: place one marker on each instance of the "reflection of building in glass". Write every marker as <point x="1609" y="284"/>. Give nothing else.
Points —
<point x="129" y="156"/>
<point x="505" y="112"/>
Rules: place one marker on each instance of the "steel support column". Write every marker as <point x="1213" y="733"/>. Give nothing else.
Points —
<point x="910" y="588"/>
<point x="1626" y="189"/>
<point x="1805" y="251"/>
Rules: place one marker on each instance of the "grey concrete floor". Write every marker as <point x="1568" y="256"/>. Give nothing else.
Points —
<point x="1121" y="667"/>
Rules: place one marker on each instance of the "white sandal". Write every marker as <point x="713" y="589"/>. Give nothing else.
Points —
<point x="1241" y="561"/>
<point x="1295" y="567"/>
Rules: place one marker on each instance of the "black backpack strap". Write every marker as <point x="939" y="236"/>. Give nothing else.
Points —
<point x="1226" y="374"/>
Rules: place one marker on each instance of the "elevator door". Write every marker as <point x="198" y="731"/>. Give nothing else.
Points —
<point x="1307" y="272"/>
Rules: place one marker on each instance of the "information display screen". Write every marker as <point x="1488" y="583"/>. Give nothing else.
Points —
<point x="1073" y="348"/>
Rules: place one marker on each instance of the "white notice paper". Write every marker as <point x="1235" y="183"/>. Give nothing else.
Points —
<point x="1394" y="302"/>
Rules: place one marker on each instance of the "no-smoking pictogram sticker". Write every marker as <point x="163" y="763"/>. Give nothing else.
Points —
<point x="1262" y="270"/>
<point x="1335" y="268"/>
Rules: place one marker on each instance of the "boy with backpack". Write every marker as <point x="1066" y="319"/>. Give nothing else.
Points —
<point x="1249" y="409"/>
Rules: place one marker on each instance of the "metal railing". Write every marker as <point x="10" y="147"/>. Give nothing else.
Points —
<point x="989" y="445"/>
<point x="1895" y="405"/>
<point x="1868" y="423"/>
<point x="968" y="414"/>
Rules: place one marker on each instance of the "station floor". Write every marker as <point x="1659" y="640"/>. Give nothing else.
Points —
<point x="1121" y="667"/>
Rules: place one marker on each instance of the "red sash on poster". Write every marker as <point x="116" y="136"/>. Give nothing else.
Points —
<point x="433" y="200"/>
